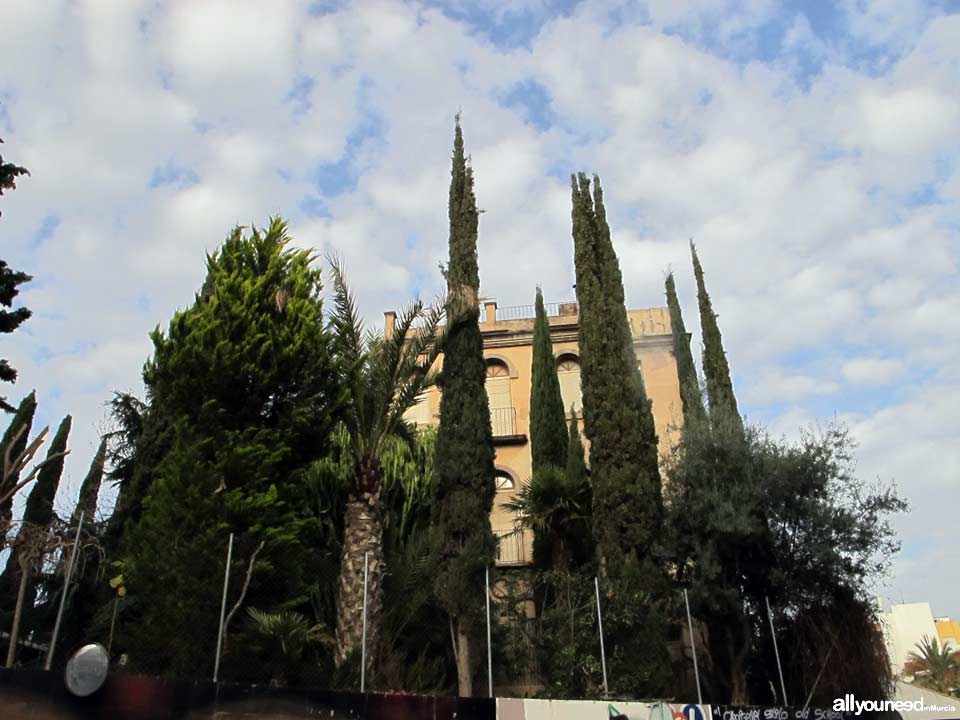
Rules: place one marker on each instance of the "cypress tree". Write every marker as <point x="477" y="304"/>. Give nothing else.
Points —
<point x="723" y="403"/>
<point x="618" y="421"/>
<point x="693" y="410"/>
<point x="548" y="432"/>
<point x="626" y="498"/>
<point x="23" y="418"/>
<point x="464" y="472"/>
<point x="39" y="508"/>
<point x="38" y="512"/>
<point x="90" y="488"/>
<point x="576" y="463"/>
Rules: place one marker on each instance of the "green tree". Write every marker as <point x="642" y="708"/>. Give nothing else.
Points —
<point x="618" y="422"/>
<point x="16" y="583"/>
<point x="690" y="398"/>
<point x="755" y="518"/>
<point x="10" y="320"/>
<point x="13" y="443"/>
<point x="626" y="495"/>
<point x="242" y="394"/>
<point x="90" y="488"/>
<point x="464" y="486"/>
<point x="715" y="368"/>
<point x="935" y="666"/>
<point x="384" y="378"/>
<point x="9" y="280"/>
<point x="548" y="431"/>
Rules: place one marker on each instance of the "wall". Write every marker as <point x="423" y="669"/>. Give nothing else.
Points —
<point x="34" y="695"/>
<point x="905" y="626"/>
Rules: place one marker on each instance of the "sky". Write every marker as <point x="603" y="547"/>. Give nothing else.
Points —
<point x="809" y="148"/>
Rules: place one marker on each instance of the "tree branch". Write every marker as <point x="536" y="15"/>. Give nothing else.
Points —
<point x="243" y="592"/>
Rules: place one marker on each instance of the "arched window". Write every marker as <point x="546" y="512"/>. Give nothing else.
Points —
<point x="498" y="396"/>
<point x="504" y="481"/>
<point x="568" y="371"/>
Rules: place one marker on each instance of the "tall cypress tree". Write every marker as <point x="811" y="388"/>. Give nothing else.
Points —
<point x="464" y="472"/>
<point x="616" y="302"/>
<point x="90" y="488"/>
<point x="626" y="498"/>
<point x="37" y="514"/>
<point x="723" y="403"/>
<point x="22" y="419"/>
<point x="618" y="421"/>
<point x="693" y="410"/>
<point x="548" y="431"/>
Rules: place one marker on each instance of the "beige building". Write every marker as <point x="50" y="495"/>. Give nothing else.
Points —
<point x="508" y="348"/>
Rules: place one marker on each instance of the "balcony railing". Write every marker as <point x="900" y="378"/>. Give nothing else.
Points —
<point x="511" y="547"/>
<point x="503" y="422"/>
<point x="528" y="312"/>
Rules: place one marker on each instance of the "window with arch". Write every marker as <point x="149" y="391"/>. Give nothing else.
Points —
<point x="568" y="372"/>
<point x="498" y="397"/>
<point x="504" y="481"/>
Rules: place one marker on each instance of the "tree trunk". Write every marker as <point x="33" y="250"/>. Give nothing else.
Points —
<point x="363" y="533"/>
<point x="464" y="675"/>
<point x="17" y="613"/>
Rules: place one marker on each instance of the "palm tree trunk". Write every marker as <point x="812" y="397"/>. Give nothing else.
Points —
<point x="363" y="533"/>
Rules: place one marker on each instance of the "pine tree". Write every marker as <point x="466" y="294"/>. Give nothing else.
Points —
<point x="548" y="432"/>
<point x="14" y="442"/>
<point x="9" y="279"/>
<point x="464" y="481"/>
<point x="242" y="389"/>
<point x="693" y="410"/>
<point x="90" y="488"/>
<point x="10" y="320"/>
<point x="576" y="466"/>
<point x="723" y="403"/>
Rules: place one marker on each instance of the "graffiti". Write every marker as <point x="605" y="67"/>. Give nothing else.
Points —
<point x="598" y="710"/>
<point x="726" y="712"/>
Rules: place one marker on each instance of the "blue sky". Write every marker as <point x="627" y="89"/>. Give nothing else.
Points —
<point x="808" y="147"/>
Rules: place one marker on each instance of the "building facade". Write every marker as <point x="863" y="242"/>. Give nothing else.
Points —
<point x="904" y="627"/>
<point x="508" y="348"/>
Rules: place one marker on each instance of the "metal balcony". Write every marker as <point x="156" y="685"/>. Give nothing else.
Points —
<point x="511" y="547"/>
<point x="503" y="423"/>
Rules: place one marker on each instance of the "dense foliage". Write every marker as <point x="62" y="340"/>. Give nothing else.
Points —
<point x="716" y="370"/>
<point x="464" y="544"/>
<point x="690" y="395"/>
<point x="548" y="429"/>
<point x="10" y="320"/>
<point x="241" y="395"/>
<point x="267" y="420"/>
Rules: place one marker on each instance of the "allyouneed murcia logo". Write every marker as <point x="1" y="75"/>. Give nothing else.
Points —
<point x="848" y="703"/>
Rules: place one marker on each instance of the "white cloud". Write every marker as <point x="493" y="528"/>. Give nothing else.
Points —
<point x="828" y="266"/>
<point x="872" y="371"/>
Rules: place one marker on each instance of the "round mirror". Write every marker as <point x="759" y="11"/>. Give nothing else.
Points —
<point x="87" y="670"/>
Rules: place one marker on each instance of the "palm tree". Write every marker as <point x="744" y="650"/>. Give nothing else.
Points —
<point x="936" y="666"/>
<point x="285" y="636"/>
<point x="556" y="505"/>
<point x="384" y="377"/>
